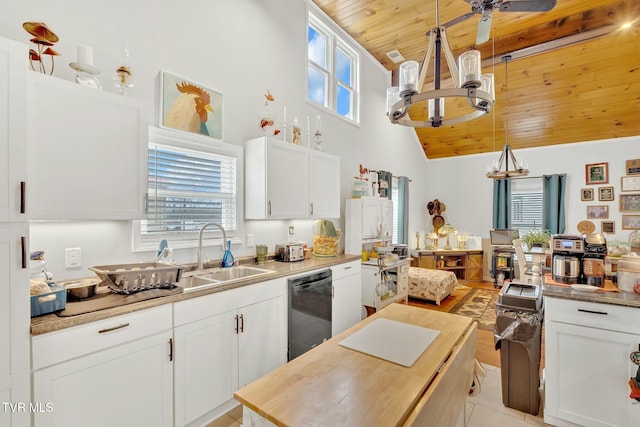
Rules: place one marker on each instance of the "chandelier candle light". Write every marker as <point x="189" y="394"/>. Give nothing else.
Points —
<point x="496" y="170"/>
<point x="467" y="80"/>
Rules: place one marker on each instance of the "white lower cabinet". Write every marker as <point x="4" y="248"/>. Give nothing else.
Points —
<point x="115" y="372"/>
<point x="587" y="365"/>
<point x="346" y="309"/>
<point x="224" y="341"/>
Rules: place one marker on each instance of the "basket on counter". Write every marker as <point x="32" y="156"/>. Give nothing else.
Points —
<point x="136" y="277"/>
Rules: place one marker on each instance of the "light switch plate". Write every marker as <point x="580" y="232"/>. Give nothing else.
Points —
<point x="250" y="241"/>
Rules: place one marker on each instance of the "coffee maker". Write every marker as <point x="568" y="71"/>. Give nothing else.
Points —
<point x="595" y="251"/>
<point x="566" y="260"/>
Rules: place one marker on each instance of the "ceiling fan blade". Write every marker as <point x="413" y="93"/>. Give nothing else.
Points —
<point x="458" y="19"/>
<point x="484" y="28"/>
<point x="527" y="5"/>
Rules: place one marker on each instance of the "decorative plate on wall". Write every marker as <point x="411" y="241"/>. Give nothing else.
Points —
<point x="586" y="227"/>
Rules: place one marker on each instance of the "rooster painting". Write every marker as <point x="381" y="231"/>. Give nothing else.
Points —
<point x="190" y="107"/>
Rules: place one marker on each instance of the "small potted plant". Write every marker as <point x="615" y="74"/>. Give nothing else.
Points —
<point x="539" y="238"/>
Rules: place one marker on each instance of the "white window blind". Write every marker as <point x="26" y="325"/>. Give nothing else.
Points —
<point x="187" y="189"/>
<point x="526" y="204"/>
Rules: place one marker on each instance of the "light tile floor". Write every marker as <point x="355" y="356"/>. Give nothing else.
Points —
<point x="484" y="410"/>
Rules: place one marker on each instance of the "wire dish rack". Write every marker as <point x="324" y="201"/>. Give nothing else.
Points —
<point x="136" y="277"/>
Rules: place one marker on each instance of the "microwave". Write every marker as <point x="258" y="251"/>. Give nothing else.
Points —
<point x="290" y="252"/>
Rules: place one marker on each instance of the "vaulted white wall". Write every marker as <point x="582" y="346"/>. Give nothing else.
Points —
<point x="242" y="48"/>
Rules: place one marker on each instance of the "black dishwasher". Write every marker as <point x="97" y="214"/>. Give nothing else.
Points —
<point x="310" y="299"/>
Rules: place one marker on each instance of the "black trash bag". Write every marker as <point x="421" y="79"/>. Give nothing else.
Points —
<point x="519" y="326"/>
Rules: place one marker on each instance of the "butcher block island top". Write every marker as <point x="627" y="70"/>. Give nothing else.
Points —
<point x="332" y="385"/>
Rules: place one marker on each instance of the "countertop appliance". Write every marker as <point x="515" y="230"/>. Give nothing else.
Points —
<point x="595" y="251"/>
<point x="401" y="250"/>
<point x="566" y="264"/>
<point x="290" y="252"/>
<point x="310" y="304"/>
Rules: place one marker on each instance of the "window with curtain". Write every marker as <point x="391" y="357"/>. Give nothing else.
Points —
<point x="530" y="203"/>
<point x="332" y="69"/>
<point x="189" y="184"/>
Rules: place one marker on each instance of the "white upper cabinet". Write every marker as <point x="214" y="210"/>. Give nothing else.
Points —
<point x="287" y="181"/>
<point x="87" y="152"/>
<point x="13" y="130"/>
<point x="324" y="184"/>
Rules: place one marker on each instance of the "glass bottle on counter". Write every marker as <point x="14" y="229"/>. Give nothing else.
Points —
<point x="227" y="259"/>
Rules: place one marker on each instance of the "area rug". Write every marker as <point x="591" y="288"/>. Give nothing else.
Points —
<point x="480" y="304"/>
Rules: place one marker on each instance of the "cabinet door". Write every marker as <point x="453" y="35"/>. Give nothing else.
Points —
<point x="206" y="365"/>
<point x="403" y="281"/>
<point x="424" y="261"/>
<point x="370" y="277"/>
<point x="587" y="372"/>
<point x="346" y="308"/>
<point x="474" y="267"/>
<point x="128" y="385"/>
<point x="371" y="216"/>
<point x="13" y="129"/>
<point x="261" y="343"/>
<point x="87" y="152"/>
<point x="14" y="323"/>
<point x="287" y="181"/>
<point x="324" y="185"/>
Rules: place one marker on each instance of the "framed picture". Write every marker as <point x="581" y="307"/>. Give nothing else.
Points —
<point x="605" y="194"/>
<point x="630" y="183"/>
<point x="632" y="167"/>
<point x="189" y="106"/>
<point x="609" y="227"/>
<point x="586" y="194"/>
<point x="598" y="212"/>
<point x="631" y="222"/>
<point x="597" y="173"/>
<point x="630" y="202"/>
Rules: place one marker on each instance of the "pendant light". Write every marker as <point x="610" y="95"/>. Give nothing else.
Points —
<point x="500" y="169"/>
<point x="467" y="81"/>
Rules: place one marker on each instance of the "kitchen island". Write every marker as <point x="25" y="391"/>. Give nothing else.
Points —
<point x="332" y="385"/>
<point x="589" y="337"/>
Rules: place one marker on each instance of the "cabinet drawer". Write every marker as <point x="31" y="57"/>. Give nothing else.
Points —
<point x="55" y="347"/>
<point x="206" y="306"/>
<point x="344" y="270"/>
<point x="594" y="315"/>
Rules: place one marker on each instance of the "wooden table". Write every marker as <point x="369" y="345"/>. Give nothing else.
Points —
<point x="335" y="386"/>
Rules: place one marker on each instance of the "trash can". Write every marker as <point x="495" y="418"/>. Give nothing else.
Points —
<point x="518" y="335"/>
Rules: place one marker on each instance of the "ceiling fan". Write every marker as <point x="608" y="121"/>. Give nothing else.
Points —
<point x="486" y="8"/>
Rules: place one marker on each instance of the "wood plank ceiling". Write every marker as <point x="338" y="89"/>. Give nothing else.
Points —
<point x="586" y="91"/>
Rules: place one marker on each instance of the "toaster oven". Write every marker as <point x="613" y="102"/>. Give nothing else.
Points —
<point x="290" y="252"/>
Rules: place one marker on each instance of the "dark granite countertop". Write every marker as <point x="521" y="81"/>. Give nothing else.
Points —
<point x="52" y="322"/>
<point x="628" y="299"/>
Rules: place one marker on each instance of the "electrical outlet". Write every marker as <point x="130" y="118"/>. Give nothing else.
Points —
<point x="250" y="241"/>
<point x="72" y="257"/>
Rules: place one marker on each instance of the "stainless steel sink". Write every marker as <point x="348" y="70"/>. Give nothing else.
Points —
<point x="217" y="276"/>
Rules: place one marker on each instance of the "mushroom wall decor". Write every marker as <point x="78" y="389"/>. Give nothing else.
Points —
<point x="44" y="39"/>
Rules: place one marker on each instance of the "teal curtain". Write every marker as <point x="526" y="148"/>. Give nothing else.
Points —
<point x="403" y="210"/>
<point x="384" y="183"/>
<point x="502" y="203"/>
<point x="553" y="214"/>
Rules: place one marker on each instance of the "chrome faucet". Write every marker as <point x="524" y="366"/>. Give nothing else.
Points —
<point x="224" y="240"/>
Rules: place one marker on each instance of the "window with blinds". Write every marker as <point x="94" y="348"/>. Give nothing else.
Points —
<point x="188" y="189"/>
<point x="526" y="204"/>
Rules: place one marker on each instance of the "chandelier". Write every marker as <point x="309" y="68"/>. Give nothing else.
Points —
<point x="500" y="169"/>
<point x="467" y="80"/>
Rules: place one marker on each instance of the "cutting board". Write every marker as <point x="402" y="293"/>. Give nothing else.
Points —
<point x="394" y="341"/>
